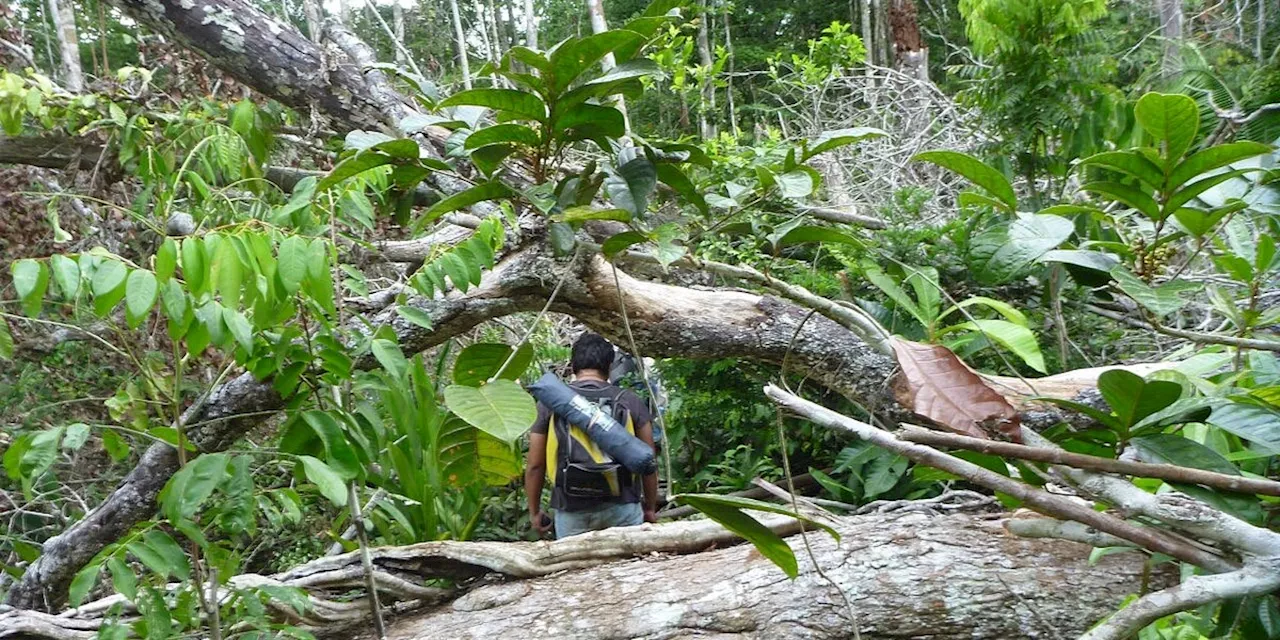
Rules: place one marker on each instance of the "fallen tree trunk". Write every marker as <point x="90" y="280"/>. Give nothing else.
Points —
<point x="907" y="577"/>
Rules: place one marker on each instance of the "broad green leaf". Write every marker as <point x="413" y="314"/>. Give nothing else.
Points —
<point x="122" y="578"/>
<point x="339" y="455"/>
<point x="390" y="357"/>
<point x="354" y="165"/>
<point x="1172" y="119"/>
<point x="291" y="263"/>
<point x="1003" y="308"/>
<point x="1193" y="190"/>
<point x="1162" y="300"/>
<point x="585" y="213"/>
<point x="108" y="285"/>
<point x="192" y="485"/>
<point x="620" y="80"/>
<point x="1131" y="398"/>
<point x="39" y="455"/>
<point x="631" y="184"/>
<point x="166" y="547"/>
<point x="1130" y="163"/>
<point x="1095" y="260"/>
<point x="813" y="233"/>
<point x="361" y="140"/>
<point x="174" y="301"/>
<point x="166" y="259"/>
<point x="195" y="265"/>
<point x="228" y="273"/>
<point x="480" y="361"/>
<point x="1183" y="410"/>
<point x="509" y="132"/>
<point x="896" y="293"/>
<point x="77" y="434"/>
<point x="140" y="295"/>
<point x="830" y="140"/>
<point x="1016" y="338"/>
<point x="415" y="315"/>
<point x="673" y="177"/>
<point x="30" y="279"/>
<point x="82" y="583"/>
<point x="1002" y="255"/>
<point x="1130" y="196"/>
<point x="66" y="275"/>
<point x="618" y="243"/>
<point x="768" y="543"/>
<point x="577" y="55"/>
<point x="517" y="103"/>
<point x="239" y="327"/>
<point x="482" y="192"/>
<point x="488" y="159"/>
<point x="795" y="184"/>
<point x="1168" y="448"/>
<point x="1254" y="423"/>
<point x="605" y="119"/>
<point x="6" y="341"/>
<point x="976" y="172"/>
<point x="330" y="484"/>
<point x="500" y="408"/>
<point x="1214" y="157"/>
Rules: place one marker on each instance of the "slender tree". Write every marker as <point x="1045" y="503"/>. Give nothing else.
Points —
<point x="706" y="128"/>
<point x="461" y="40"/>
<point x="63" y="15"/>
<point x="595" y="9"/>
<point x="530" y="25"/>
<point x="1170" y="12"/>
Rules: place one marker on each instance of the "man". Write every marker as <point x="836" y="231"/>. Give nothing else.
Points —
<point x="552" y="446"/>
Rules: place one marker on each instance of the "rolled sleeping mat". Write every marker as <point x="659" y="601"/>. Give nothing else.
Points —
<point x="632" y="452"/>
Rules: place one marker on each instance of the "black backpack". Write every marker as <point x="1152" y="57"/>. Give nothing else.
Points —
<point x="581" y="470"/>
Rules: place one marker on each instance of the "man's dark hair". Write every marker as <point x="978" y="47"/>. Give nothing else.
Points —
<point x="591" y="351"/>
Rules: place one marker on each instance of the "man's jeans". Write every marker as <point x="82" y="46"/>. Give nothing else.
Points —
<point x="571" y="523"/>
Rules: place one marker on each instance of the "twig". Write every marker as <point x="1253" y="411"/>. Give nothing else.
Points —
<point x="1201" y="338"/>
<point x="1168" y="472"/>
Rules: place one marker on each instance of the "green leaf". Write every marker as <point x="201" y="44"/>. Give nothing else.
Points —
<point x="768" y="543"/>
<point x="291" y="263"/>
<point x="1172" y="119"/>
<point x="30" y="279"/>
<point x="77" y="434"/>
<point x="673" y="177"/>
<point x="1016" y="338"/>
<point x="976" y="172"/>
<point x="66" y="275"/>
<point x="108" y="285"/>
<point x="1001" y="256"/>
<point x="619" y="242"/>
<point x="1130" y="163"/>
<point x="517" y="103"/>
<point x="1003" y="308"/>
<point x="897" y="294"/>
<point x="166" y="259"/>
<point x="415" y="315"/>
<point x="165" y="547"/>
<point x="192" y="485"/>
<point x="1191" y="191"/>
<point x="795" y="184"/>
<point x="604" y="119"/>
<point x="339" y="455"/>
<point x="501" y="408"/>
<point x="479" y="362"/>
<point x="239" y="327"/>
<point x="6" y="341"/>
<point x="1131" y="398"/>
<point x="509" y="132"/>
<point x="390" y="357"/>
<point x="195" y="265"/>
<point x="1162" y="300"/>
<point x="806" y="233"/>
<point x="1214" y="157"/>
<point x="330" y="484"/>
<point x="1095" y="260"/>
<point x="621" y="79"/>
<point x="140" y="295"/>
<point x="122" y="578"/>
<point x="1254" y="423"/>
<point x="354" y="165"/>
<point x="631" y="184"/>
<point x="1130" y="196"/>
<point x="577" y="55"/>
<point x="1167" y="448"/>
<point x="584" y="213"/>
<point x="830" y="140"/>
<point x="482" y="192"/>
<point x="82" y="583"/>
<point x="228" y="273"/>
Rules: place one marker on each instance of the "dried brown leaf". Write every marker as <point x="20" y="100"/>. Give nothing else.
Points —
<point x="936" y="385"/>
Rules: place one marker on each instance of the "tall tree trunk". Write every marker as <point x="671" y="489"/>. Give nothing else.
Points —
<point x="728" y="90"/>
<point x="1258" y="51"/>
<point x="530" y="25"/>
<point x="706" y="128"/>
<point x="911" y="56"/>
<point x="868" y="31"/>
<point x="315" y="18"/>
<point x="397" y="28"/>
<point x="595" y="10"/>
<point x="460" y="39"/>
<point x="942" y="578"/>
<point x="63" y="15"/>
<point x="1170" y="12"/>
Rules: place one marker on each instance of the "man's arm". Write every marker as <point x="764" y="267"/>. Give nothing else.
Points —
<point x="535" y="470"/>
<point x="649" y="481"/>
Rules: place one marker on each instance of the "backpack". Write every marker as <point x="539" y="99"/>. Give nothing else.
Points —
<point x="581" y="470"/>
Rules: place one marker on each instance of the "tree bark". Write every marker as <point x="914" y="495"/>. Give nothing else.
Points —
<point x="530" y="25"/>
<point x="911" y="56"/>
<point x="941" y="578"/>
<point x="1170" y="12"/>
<point x="397" y="27"/>
<point x="460" y="41"/>
<point x="705" y="97"/>
<point x="63" y="15"/>
<point x="595" y="10"/>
